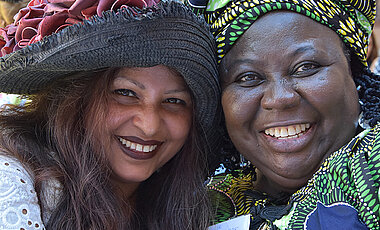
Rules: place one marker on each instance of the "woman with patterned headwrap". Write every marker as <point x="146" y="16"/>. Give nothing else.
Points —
<point x="302" y="106"/>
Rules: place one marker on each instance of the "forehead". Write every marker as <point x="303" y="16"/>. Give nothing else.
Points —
<point x="157" y="74"/>
<point x="283" y="31"/>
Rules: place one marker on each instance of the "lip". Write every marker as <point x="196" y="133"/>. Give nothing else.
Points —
<point x="141" y="141"/>
<point x="290" y="145"/>
<point x="284" y="123"/>
<point x="137" y="155"/>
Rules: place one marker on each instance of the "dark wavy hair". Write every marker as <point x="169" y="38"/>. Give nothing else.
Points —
<point x="368" y="87"/>
<point x="56" y="136"/>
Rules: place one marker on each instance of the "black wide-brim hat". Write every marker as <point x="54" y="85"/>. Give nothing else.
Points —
<point x="168" y="34"/>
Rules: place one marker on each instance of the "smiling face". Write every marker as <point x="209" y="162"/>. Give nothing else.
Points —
<point x="149" y="118"/>
<point x="288" y="97"/>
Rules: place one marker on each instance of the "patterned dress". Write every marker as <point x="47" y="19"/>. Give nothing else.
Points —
<point x="343" y="194"/>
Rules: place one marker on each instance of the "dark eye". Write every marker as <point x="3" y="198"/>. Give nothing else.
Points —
<point x="125" y="92"/>
<point x="306" y="69"/>
<point x="249" y="79"/>
<point x="175" y="101"/>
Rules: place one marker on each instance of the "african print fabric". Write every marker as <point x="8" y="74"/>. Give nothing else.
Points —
<point x="343" y="194"/>
<point x="352" y="20"/>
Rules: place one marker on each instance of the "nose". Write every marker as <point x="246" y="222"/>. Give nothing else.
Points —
<point x="148" y="120"/>
<point x="280" y="95"/>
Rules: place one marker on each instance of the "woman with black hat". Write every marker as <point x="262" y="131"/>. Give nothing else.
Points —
<point x="121" y="113"/>
<point x="302" y="106"/>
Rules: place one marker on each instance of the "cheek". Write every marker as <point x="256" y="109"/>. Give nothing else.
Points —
<point x="179" y="125"/>
<point x="116" y="116"/>
<point x="334" y="96"/>
<point x="351" y="98"/>
<point x="343" y="108"/>
<point x="239" y="105"/>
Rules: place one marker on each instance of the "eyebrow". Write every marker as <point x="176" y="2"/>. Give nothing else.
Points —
<point x="176" y="91"/>
<point x="141" y="86"/>
<point x="238" y="61"/>
<point x="300" y="50"/>
<point x="303" y="49"/>
<point x="138" y="84"/>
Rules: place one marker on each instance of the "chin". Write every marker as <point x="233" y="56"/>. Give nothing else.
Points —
<point x="131" y="178"/>
<point x="136" y="179"/>
<point x="291" y="185"/>
<point x="280" y="184"/>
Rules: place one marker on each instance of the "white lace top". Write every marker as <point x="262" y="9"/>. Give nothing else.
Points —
<point x="19" y="207"/>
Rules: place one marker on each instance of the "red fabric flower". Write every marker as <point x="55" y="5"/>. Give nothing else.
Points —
<point x="41" y="18"/>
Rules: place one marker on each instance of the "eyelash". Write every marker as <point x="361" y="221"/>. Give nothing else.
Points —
<point x="253" y="80"/>
<point x="125" y="92"/>
<point x="246" y="76"/>
<point x="177" y="101"/>
<point x="130" y="93"/>
<point x="311" y="67"/>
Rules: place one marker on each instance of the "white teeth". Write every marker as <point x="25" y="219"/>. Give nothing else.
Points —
<point x="271" y="132"/>
<point x="137" y="147"/>
<point x="283" y="132"/>
<point x="291" y="131"/>
<point x="298" y="128"/>
<point x="146" y="149"/>
<point x="276" y="132"/>
<point x="288" y="131"/>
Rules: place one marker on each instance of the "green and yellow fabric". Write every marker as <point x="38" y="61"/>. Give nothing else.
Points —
<point x="343" y="194"/>
<point x="352" y="20"/>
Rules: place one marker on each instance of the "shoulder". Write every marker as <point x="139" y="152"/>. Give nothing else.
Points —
<point x="361" y="153"/>
<point x="19" y="206"/>
<point x="13" y="170"/>
<point x="347" y="182"/>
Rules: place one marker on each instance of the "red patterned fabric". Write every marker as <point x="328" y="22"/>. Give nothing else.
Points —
<point x="41" y="18"/>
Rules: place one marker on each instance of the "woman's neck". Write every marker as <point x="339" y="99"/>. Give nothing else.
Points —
<point x="262" y="184"/>
<point x="126" y="195"/>
<point x="125" y="192"/>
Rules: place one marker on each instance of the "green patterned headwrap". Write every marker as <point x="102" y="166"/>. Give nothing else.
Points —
<point x="352" y="20"/>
